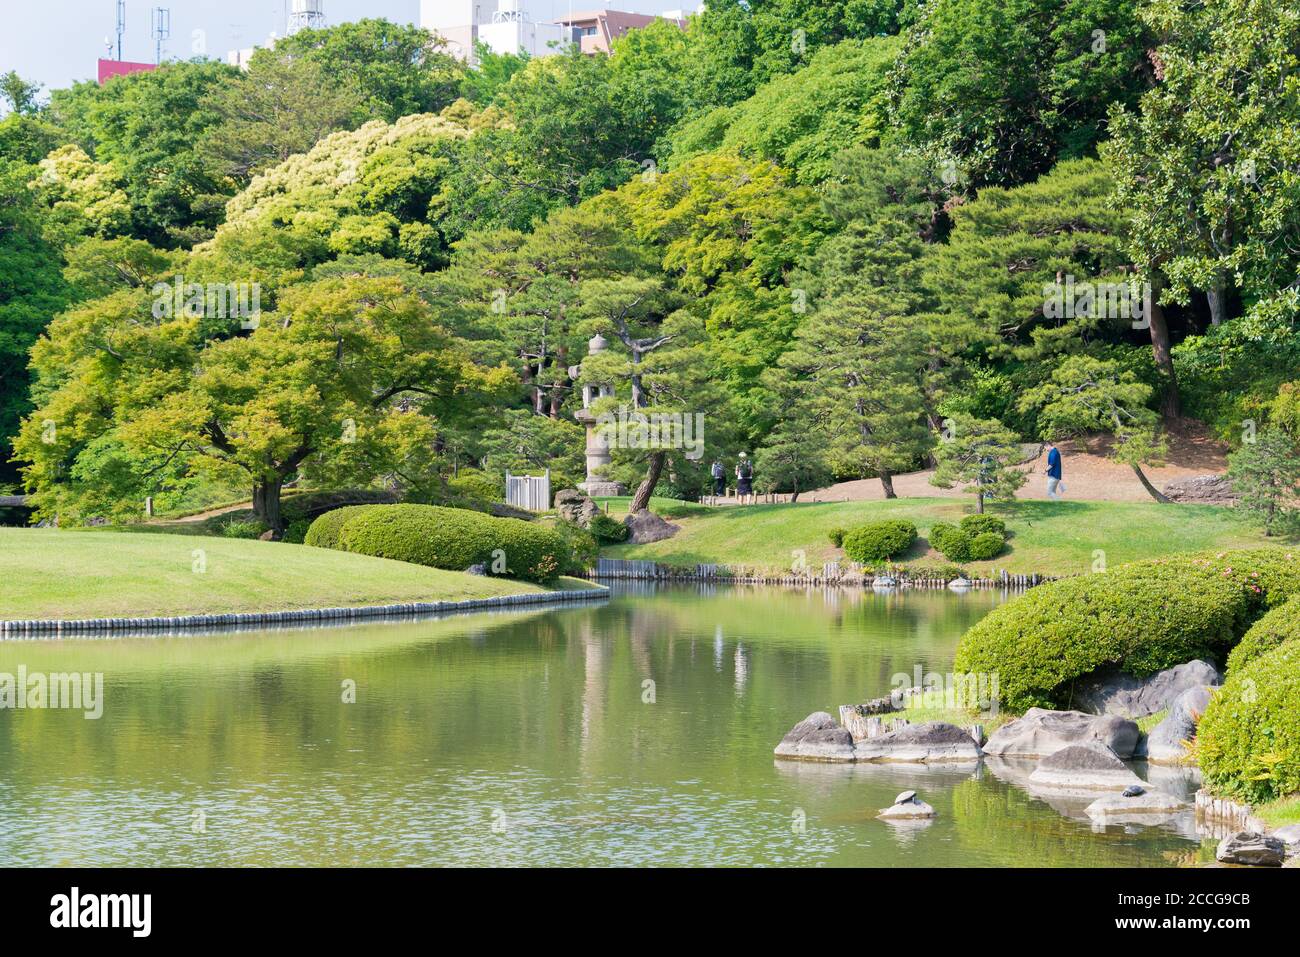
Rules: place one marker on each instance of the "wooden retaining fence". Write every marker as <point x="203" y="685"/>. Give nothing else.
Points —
<point x="832" y="573"/>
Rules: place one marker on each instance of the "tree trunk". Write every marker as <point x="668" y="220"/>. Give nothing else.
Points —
<point x="1171" y="406"/>
<point x="1215" y="297"/>
<point x="1146" y="484"/>
<point x="266" y="503"/>
<point x="641" y="499"/>
<point x="887" y="483"/>
<point x="979" y="502"/>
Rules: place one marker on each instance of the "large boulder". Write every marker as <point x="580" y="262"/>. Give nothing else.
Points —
<point x="1246" y="847"/>
<point x="645" y="527"/>
<point x="1131" y="697"/>
<point x="1167" y="742"/>
<point x="933" y="742"/>
<point x="1147" y="806"/>
<point x="576" y="507"/>
<point x="1290" y="838"/>
<point x="1041" y="732"/>
<point x="1089" y="767"/>
<point x="1203" y="489"/>
<point x="817" y="737"/>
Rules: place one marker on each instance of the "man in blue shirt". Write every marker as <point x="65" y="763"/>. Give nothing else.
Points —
<point x="1054" y="484"/>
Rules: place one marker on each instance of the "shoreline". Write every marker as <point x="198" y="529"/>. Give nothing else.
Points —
<point x="619" y="569"/>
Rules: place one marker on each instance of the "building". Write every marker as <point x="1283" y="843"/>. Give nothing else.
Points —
<point x="508" y="26"/>
<point x="111" y="68"/>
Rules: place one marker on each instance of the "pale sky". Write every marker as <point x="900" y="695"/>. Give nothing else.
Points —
<point x="58" y="41"/>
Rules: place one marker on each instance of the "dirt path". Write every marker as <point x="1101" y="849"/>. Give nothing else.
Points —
<point x="1087" y="473"/>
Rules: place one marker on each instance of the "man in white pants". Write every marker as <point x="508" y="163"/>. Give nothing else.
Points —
<point x="1054" y="484"/>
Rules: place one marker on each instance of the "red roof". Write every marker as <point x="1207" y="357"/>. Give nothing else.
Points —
<point x="112" y="68"/>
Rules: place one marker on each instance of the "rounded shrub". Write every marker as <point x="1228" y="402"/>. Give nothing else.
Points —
<point x="974" y="525"/>
<point x="953" y="543"/>
<point x="1248" y="741"/>
<point x="324" y="531"/>
<point x="1139" y="618"/>
<point x="878" y="541"/>
<point x="582" y="548"/>
<point x="455" y="539"/>
<point x="1269" y="576"/>
<point x="986" y="545"/>
<point x="836" y="536"/>
<point x="607" y="529"/>
<point x="1276" y="628"/>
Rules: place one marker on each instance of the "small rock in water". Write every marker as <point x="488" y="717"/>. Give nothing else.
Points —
<point x="1134" y="790"/>
<point x="907" y="805"/>
<point x="906" y="797"/>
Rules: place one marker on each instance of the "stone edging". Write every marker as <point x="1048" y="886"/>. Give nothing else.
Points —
<point x="1227" y="813"/>
<point x="54" y="627"/>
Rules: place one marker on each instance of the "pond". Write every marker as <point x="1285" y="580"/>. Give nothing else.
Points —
<point x="636" y="731"/>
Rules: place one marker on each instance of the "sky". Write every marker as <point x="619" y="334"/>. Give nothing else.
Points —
<point x="56" y="42"/>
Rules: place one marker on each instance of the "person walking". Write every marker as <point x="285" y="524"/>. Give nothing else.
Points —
<point x="1054" y="484"/>
<point x="719" y="478"/>
<point x="744" y="478"/>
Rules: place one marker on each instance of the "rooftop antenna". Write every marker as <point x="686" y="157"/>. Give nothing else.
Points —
<point x="162" y="29"/>
<point x="305" y="15"/>
<point x="121" y="25"/>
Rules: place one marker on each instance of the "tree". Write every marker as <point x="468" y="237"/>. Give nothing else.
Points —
<point x="1266" y="475"/>
<point x="979" y="454"/>
<point x="793" y="457"/>
<point x="490" y="73"/>
<point x="1004" y="90"/>
<point x="1086" y="394"/>
<point x="22" y="97"/>
<point x="1206" y="162"/>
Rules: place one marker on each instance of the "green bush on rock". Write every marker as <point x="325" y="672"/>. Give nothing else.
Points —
<point x="1248" y="741"/>
<point x="1140" y="618"/>
<point x="1276" y="628"/>
<point x="879" y="541"/>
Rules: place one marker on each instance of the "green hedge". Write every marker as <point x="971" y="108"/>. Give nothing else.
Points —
<point x="986" y="545"/>
<point x="1248" y="741"/>
<point x="879" y="541"/>
<point x="455" y="539"/>
<point x="1142" y="618"/>
<point x="974" y="525"/>
<point x="324" y="531"/>
<point x="1269" y="576"/>
<point x="1277" y="627"/>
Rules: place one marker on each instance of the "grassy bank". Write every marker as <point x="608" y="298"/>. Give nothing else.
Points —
<point x="1053" y="538"/>
<point x="49" y="573"/>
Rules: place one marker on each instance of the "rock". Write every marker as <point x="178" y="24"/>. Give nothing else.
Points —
<point x="270" y="535"/>
<point x="1084" y="767"/>
<point x="1131" y="697"/>
<point x="576" y="507"/>
<point x="932" y="742"/>
<point x="907" y="805"/>
<point x="1126" y="805"/>
<point x="1214" y="489"/>
<point x="1290" y="838"/>
<point x="1167" y="742"/>
<point x="1245" y="847"/>
<point x="1041" y="732"/>
<point x="817" y="738"/>
<point x="476" y="570"/>
<point x="645" y="526"/>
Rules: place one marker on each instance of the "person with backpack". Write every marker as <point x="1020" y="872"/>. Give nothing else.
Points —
<point x="744" y="477"/>
<point x="719" y="478"/>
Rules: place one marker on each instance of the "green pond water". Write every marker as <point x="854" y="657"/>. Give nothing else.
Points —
<point x="520" y="739"/>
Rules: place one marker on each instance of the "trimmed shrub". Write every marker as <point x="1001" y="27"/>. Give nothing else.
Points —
<point x="986" y="545"/>
<point x="1269" y="576"/>
<point x="836" y="536"/>
<point x="1276" y="628"/>
<point x="324" y="531"/>
<point x="1140" y="618"/>
<point x="455" y="539"/>
<point x="608" y="529"/>
<point x="879" y="541"/>
<point x="475" y="489"/>
<point x="1248" y="741"/>
<point x="953" y="543"/>
<point x="583" y="549"/>
<point x="974" y="525"/>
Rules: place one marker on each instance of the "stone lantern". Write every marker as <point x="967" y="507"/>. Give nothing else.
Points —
<point x="598" y="457"/>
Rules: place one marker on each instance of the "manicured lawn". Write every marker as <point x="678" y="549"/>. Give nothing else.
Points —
<point x="1052" y="538"/>
<point x="1281" y="812"/>
<point x="49" y="573"/>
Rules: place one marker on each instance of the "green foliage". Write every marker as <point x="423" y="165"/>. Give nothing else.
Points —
<point x="492" y="71"/>
<point x="607" y="529"/>
<point x="836" y="536"/>
<point x="475" y="489"/>
<point x="582" y="548"/>
<point x="986" y="545"/>
<point x="325" y="530"/>
<point x="456" y="539"/>
<point x="1265" y="473"/>
<point x="951" y="542"/>
<point x="237" y="529"/>
<point x="1140" y="618"/>
<point x="879" y="541"/>
<point x="1248" y="740"/>
<point x="980" y="524"/>
<point x="295" y="533"/>
<point x="1275" y="628"/>
<point x="981" y="455"/>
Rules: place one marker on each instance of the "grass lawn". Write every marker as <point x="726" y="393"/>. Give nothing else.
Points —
<point x="50" y="573"/>
<point x="1281" y="812"/>
<point x="1052" y="538"/>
